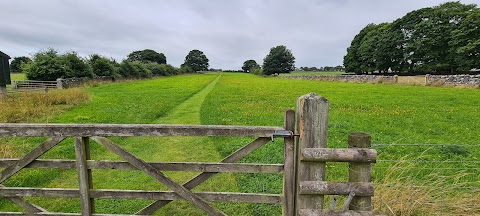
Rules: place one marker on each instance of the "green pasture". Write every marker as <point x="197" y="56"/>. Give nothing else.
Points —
<point x="18" y="76"/>
<point x="392" y="114"/>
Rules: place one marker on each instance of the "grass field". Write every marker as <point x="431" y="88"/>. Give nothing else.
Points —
<point x="18" y="76"/>
<point x="392" y="114"/>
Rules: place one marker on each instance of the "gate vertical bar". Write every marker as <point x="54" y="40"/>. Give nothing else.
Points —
<point x="289" y="166"/>
<point x="360" y="172"/>
<point x="311" y="126"/>
<point x="82" y="153"/>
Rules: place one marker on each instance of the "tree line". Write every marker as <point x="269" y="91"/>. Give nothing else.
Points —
<point x="444" y="39"/>
<point x="322" y="69"/>
<point x="50" y="65"/>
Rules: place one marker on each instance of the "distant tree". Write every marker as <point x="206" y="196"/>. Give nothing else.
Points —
<point x="279" y="60"/>
<point x="196" y="61"/>
<point x="248" y="65"/>
<point x="146" y="56"/>
<point x="15" y="65"/>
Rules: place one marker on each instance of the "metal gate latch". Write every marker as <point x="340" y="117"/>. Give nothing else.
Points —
<point x="282" y="134"/>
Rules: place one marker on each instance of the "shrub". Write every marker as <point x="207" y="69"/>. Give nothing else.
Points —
<point x="76" y="66"/>
<point x="256" y="71"/>
<point x="46" y="65"/>
<point x="102" y="66"/>
<point x="185" y="69"/>
<point x="141" y="70"/>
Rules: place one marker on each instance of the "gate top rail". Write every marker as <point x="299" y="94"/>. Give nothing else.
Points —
<point x="122" y="130"/>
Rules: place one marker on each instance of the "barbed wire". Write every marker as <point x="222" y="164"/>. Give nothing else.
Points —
<point x="428" y="161"/>
<point x="469" y="145"/>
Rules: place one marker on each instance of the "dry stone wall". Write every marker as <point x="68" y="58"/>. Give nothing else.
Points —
<point x="460" y="79"/>
<point x="348" y="78"/>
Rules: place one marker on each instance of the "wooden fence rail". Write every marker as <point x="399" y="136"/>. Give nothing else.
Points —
<point x="303" y="168"/>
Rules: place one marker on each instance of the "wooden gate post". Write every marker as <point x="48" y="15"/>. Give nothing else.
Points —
<point x="311" y="126"/>
<point x="360" y="172"/>
<point x="289" y="166"/>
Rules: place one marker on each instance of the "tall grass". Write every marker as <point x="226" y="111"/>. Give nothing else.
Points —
<point x="403" y="190"/>
<point x="31" y="106"/>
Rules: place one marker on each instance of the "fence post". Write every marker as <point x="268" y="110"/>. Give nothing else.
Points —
<point x="289" y="166"/>
<point x="82" y="154"/>
<point x="311" y="126"/>
<point x="427" y="79"/>
<point x="360" y="172"/>
<point x="59" y="83"/>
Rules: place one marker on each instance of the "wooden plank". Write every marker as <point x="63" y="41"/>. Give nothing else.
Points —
<point x="316" y="212"/>
<point x="192" y="183"/>
<point x="289" y="161"/>
<point x="20" y="201"/>
<point x="106" y="130"/>
<point x="164" y="166"/>
<point x="151" y="171"/>
<point x="28" y="158"/>
<point x="363" y="155"/>
<point x="141" y="194"/>
<point x="82" y="154"/>
<point x="360" y="172"/>
<point x="336" y="188"/>
<point x="21" y="163"/>
<point x="312" y="125"/>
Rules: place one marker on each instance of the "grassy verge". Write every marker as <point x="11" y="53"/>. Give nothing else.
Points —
<point x="391" y="114"/>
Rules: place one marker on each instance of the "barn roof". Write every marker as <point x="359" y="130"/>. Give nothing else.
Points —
<point x="3" y="55"/>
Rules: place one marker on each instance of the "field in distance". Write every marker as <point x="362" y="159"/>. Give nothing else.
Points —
<point x="392" y="114"/>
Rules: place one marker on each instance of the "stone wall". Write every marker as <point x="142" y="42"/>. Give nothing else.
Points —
<point x="78" y="81"/>
<point x="460" y="79"/>
<point x="348" y="78"/>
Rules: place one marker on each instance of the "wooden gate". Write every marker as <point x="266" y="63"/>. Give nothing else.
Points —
<point x="303" y="169"/>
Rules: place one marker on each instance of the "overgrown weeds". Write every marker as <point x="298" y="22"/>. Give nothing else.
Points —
<point x="406" y="189"/>
<point x="27" y="106"/>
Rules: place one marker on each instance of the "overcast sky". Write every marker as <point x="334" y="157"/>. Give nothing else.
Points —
<point x="229" y="32"/>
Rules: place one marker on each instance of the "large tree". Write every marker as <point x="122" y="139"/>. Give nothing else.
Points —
<point x="17" y="62"/>
<point x="466" y="41"/>
<point x="249" y="64"/>
<point x="146" y="56"/>
<point x="352" y="61"/>
<point x="196" y="60"/>
<point x="279" y="60"/>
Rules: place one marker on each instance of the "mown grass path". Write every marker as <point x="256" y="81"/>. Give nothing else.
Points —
<point x="159" y="149"/>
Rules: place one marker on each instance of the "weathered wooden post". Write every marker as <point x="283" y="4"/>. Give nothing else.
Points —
<point x="311" y="126"/>
<point x="59" y="83"/>
<point x="360" y="171"/>
<point x="289" y="166"/>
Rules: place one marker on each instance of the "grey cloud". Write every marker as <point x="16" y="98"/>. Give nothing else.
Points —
<point x="229" y="32"/>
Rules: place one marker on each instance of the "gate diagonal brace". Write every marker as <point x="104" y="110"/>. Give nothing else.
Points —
<point x="22" y="163"/>
<point x="158" y="175"/>
<point x="202" y="177"/>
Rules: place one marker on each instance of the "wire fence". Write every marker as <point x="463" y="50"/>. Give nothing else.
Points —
<point x="426" y="179"/>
